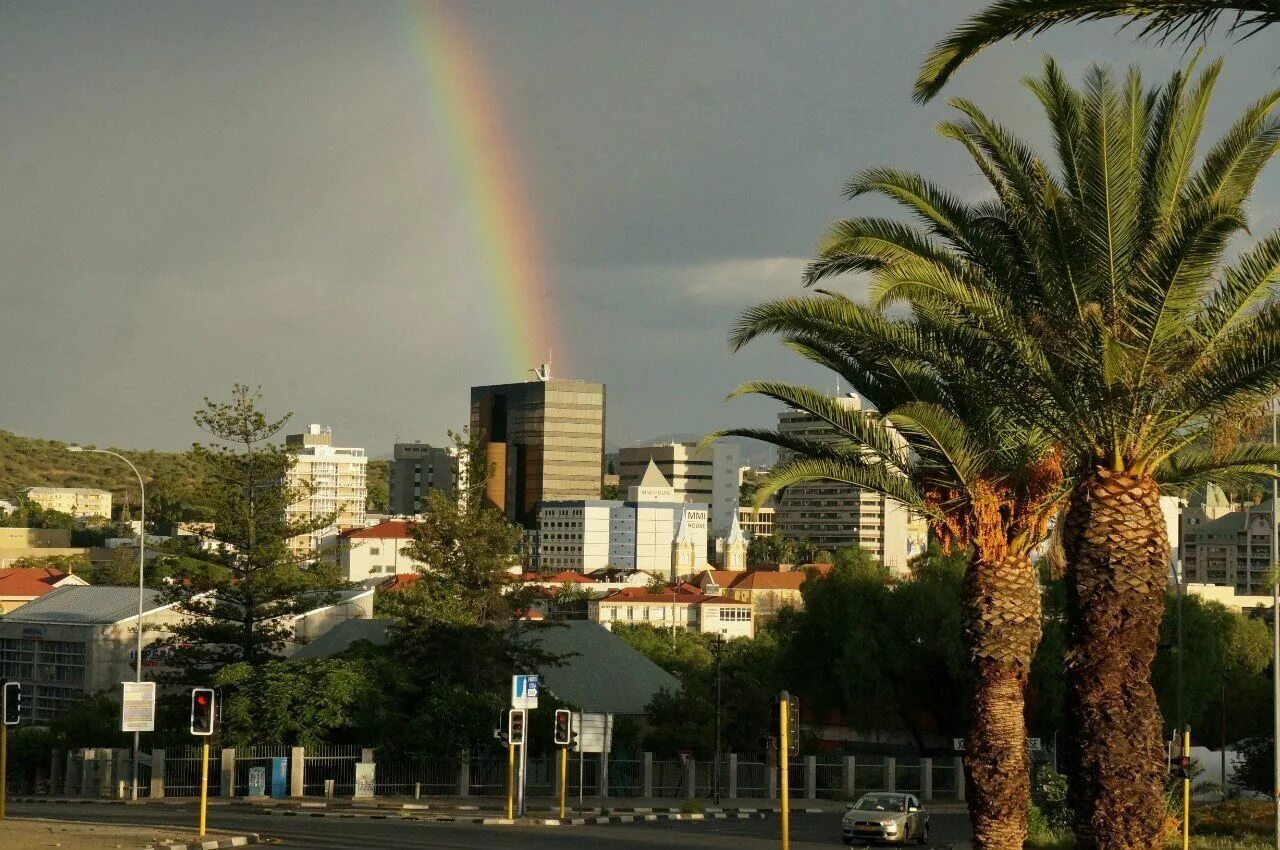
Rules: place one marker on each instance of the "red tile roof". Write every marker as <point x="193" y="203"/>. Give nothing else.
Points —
<point x="399" y="582"/>
<point x="571" y="577"/>
<point x="767" y="580"/>
<point x="631" y="595"/>
<point x="29" y="582"/>
<point x="392" y="529"/>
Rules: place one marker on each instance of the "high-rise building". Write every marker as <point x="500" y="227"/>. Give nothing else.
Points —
<point x="833" y="515"/>
<point x="416" y="469"/>
<point x="544" y="440"/>
<point x="708" y="476"/>
<point x="331" y="479"/>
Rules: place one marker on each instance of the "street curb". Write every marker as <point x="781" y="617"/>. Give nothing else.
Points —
<point x="215" y="844"/>
<point x="639" y="817"/>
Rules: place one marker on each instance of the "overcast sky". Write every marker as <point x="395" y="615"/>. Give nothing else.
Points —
<point x="194" y="194"/>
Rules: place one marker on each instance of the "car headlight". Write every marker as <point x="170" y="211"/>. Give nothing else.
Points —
<point x="890" y="825"/>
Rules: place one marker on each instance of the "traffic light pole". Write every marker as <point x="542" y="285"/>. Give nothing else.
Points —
<point x="511" y="779"/>
<point x="1186" y="788"/>
<point x="524" y="770"/>
<point x="204" y="783"/>
<point x="4" y="766"/>
<point x="564" y="777"/>
<point x="784" y="759"/>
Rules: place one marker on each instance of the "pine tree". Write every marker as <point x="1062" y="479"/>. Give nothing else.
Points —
<point x="241" y="613"/>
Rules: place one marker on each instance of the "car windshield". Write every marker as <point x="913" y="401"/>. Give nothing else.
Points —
<point x="881" y="803"/>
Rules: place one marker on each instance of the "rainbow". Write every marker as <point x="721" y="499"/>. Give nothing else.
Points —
<point x="466" y="116"/>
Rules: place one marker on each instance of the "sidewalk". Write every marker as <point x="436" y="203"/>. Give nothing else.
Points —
<point x="37" y="834"/>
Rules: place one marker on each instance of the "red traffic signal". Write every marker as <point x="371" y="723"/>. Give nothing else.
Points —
<point x="515" y="726"/>
<point x="564" y="727"/>
<point x="12" y="703"/>
<point x="202" y="708"/>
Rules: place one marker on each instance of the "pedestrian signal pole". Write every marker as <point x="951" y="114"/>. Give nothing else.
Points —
<point x="203" y="702"/>
<point x="563" y="738"/>
<point x="1185" y="761"/>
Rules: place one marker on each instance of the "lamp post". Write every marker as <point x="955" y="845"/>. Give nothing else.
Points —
<point x="717" y="648"/>
<point x="142" y="556"/>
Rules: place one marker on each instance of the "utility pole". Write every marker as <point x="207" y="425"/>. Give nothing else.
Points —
<point x="784" y="759"/>
<point x="1275" y="633"/>
<point x="717" y="648"/>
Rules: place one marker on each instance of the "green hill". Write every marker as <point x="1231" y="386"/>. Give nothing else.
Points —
<point x="26" y="462"/>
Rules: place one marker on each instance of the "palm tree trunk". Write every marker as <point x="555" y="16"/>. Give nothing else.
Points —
<point x="1002" y="628"/>
<point x="1117" y="555"/>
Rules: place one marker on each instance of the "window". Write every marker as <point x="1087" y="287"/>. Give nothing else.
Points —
<point x="375" y="550"/>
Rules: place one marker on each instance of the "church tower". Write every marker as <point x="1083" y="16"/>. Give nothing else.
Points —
<point x="734" y="552"/>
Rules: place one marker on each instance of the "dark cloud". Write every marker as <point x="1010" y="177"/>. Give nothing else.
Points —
<point x="195" y="194"/>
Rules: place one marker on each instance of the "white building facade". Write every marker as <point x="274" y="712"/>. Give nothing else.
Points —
<point x="332" y="480"/>
<point x="707" y="475"/>
<point x="377" y="551"/>
<point x="638" y="534"/>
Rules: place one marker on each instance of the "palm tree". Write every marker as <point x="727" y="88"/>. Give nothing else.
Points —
<point x="1094" y="302"/>
<point x="1178" y="20"/>
<point x="983" y="483"/>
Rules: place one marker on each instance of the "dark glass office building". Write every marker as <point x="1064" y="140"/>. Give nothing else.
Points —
<point x="545" y="440"/>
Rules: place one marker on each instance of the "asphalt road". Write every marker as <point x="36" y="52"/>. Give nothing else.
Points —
<point x="807" y="830"/>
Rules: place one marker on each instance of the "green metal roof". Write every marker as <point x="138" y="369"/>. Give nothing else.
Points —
<point x="601" y="672"/>
<point x="100" y="604"/>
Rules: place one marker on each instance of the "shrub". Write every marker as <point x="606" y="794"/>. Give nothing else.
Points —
<point x="1049" y="796"/>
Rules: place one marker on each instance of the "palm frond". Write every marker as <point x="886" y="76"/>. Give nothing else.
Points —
<point x="1177" y="20"/>
<point x="806" y="470"/>
<point x="1195" y="466"/>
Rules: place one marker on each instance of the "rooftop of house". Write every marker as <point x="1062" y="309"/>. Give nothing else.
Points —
<point x="685" y="594"/>
<point x="87" y="604"/>
<point x="392" y="529"/>
<point x="30" y="582"/>
<point x="79" y="491"/>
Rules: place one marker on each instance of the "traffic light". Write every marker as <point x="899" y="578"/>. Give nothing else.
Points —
<point x="515" y="726"/>
<point x="564" y="727"/>
<point x="12" y="703"/>
<point x="793" y="726"/>
<point x="1182" y="767"/>
<point x="202" y="711"/>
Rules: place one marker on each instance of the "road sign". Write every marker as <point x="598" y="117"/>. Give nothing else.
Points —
<point x="524" y="691"/>
<point x="138" y="707"/>
<point x="1034" y="745"/>
<point x="595" y="733"/>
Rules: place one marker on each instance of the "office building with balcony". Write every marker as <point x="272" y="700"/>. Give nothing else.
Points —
<point x="833" y="515"/>
<point x="331" y="481"/>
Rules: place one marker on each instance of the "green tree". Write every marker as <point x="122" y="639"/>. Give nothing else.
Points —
<point x="70" y="564"/>
<point x="938" y="444"/>
<point x="241" y="612"/>
<point x="302" y="703"/>
<point x="1093" y="301"/>
<point x="1181" y="20"/>
<point x="612" y="492"/>
<point x="378" y="485"/>
<point x="120" y="570"/>
<point x="459" y="631"/>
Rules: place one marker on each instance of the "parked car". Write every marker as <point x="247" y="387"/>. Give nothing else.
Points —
<point x="885" y="817"/>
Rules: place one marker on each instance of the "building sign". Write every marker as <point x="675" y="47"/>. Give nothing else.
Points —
<point x="32" y="632"/>
<point x="138" y="707"/>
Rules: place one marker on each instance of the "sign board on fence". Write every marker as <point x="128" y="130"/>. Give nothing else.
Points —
<point x="257" y="782"/>
<point x="279" y="777"/>
<point x="138" y="707"/>
<point x="524" y="691"/>
<point x="1035" y="745"/>
<point x="364" y="780"/>
<point x="595" y="733"/>
<point x="957" y="744"/>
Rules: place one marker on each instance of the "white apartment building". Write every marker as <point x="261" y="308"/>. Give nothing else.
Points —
<point x="650" y="531"/>
<point x="1228" y="548"/>
<point x="333" y="482"/>
<point x="377" y="551"/>
<point x="706" y="476"/>
<point x="682" y="607"/>
<point x="79" y="502"/>
<point x="835" y="515"/>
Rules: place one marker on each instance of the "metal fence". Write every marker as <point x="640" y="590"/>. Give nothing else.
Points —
<point x="753" y="778"/>
<point x="330" y="761"/>
<point x="182" y="772"/>
<point x="400" y="777"/>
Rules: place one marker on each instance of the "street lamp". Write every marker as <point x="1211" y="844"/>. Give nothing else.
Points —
<point x="142" y="556"/>
<point x="717" y="648"/>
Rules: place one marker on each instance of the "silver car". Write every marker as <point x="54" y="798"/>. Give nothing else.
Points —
<point x="885" y="817"/>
